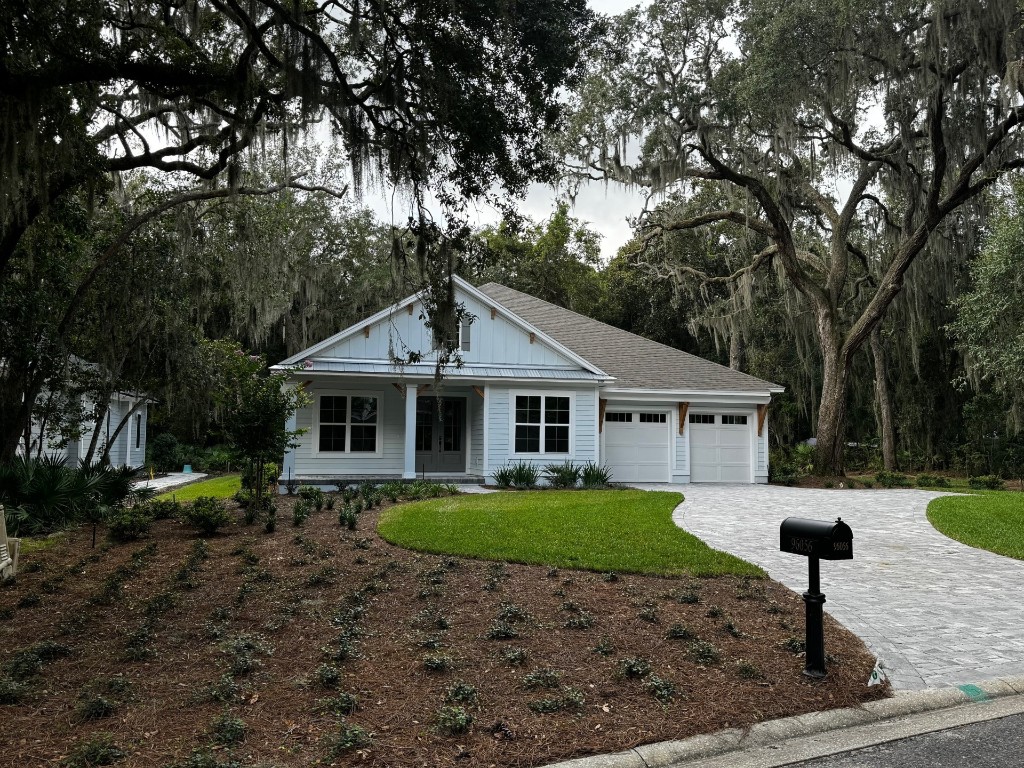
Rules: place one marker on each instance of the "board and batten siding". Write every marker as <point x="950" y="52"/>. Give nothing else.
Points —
<point x="492" y="341"/>
<point x="500" y="435"/>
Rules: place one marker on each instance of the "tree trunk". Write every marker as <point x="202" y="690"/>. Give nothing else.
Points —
<point x="105" y="458"/>
<point x="736" y="347"/>
<point x="883" y="403"/>
<point x="97" y="426"/>
<point x="832" y="409"/>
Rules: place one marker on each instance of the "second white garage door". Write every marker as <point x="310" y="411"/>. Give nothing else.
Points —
<point x="636" y="446"/>
<point x="719" y="448"/>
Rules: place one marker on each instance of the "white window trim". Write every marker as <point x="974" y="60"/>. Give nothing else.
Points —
<point x="348" y="433"/>
<point x="513" y="394"/>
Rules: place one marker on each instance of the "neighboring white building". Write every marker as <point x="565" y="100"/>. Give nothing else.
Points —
<point x="127" y="448"/>
<point x="539" y="383"/>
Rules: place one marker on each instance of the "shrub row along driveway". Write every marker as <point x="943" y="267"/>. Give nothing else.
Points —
<point x="935" y="611"/>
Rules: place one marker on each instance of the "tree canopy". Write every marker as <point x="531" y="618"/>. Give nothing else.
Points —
<point x="93" y="87"/>
<point x="852" y="138"/>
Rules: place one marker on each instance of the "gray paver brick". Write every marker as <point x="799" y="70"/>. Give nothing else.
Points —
<point x="935" y="611"/>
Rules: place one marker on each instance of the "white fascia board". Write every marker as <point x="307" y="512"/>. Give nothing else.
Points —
<point x="413" y="378"/>
<point x="516" y="320"/>
<point x="690" y="396"/>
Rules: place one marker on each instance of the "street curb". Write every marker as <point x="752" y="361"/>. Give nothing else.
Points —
<point x="677" y="754"/>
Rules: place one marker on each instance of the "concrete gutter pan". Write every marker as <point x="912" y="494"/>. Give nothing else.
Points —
<point x="817" y="734"/>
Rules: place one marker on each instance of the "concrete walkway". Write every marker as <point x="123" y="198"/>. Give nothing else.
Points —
<point x="170" y="480"/>
<point x="935" y="611"/>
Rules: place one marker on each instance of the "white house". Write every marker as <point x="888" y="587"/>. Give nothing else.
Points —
<point x="127" y="447"/>
<point x="538" y="383"/>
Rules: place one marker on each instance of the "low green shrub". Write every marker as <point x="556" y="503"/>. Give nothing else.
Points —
<point x="301" y="511"/>
<point x="313" y="495"/>
<point x="347" y="738"/>
<point x="525" y="475"/>
<point x="932" y="481"/>
<point x="565" y="475"/>
<point x="206" y="514"/>
<point x="129" y="523"/>
<point x="986" y="482"/>
<point x="93" y="707"/>
<point x="98" y="749"/>
<point x="461" y="693"/>
<point x="634" y="667"/>
<point x="453" y="721"/>
<point x="661" y="689"/>
<point x="227" y="729"/>
<point x="888" y="479"/>
<point x="164" y="509"/>
<point x="571" y="698"/>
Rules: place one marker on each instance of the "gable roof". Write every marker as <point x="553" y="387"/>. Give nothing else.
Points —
<point x="318" y="357"/>
<point x="635" y="362"/>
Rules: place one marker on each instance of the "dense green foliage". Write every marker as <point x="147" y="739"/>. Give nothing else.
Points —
<point x="826" y="178"/>
<point x="44" y="495"/>
<point x="629" y="531"/>
<point x="992" y="521"/>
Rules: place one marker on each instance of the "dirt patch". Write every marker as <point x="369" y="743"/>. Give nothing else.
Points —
<point x="273" y="629"/>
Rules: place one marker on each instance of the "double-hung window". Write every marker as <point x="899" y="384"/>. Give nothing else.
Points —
<point x="348" y="423"/>
<point x="542" y="424"/>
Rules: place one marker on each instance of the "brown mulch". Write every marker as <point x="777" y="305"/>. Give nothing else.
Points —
<point x="294" y="592"/>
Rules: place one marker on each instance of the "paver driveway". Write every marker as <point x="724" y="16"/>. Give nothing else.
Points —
<point x="935" y="611"/>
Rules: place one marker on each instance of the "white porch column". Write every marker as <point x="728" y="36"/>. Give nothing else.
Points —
<point x="410" y="432"/>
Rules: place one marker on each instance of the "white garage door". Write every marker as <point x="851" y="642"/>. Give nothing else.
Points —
<point x="719" y="448"/>
<point x="636" y="446"/>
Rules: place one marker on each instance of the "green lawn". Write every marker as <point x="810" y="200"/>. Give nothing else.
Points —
<point x="992" y="520"/>
<point x="223" y="487"/>
<point x="626" y="531"/>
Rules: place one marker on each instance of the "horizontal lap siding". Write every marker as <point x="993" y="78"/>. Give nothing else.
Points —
<point x="476" y="432"/>
<point x="500" y="439"/>
<point x="390" y="429"/>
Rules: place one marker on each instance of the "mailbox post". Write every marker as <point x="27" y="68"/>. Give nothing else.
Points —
<point x="816" y="540"/>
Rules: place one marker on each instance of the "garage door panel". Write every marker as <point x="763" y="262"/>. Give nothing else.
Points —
<point x="637" y="452"/>
<point x="719" y="453"/>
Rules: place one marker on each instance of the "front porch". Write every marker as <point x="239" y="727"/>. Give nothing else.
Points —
<point x="374" y="430"/>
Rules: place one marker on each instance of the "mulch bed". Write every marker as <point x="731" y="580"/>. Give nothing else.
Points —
<point x="305" y="597"/>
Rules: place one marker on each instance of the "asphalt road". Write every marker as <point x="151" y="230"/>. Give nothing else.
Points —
<point x="989" y="744"/>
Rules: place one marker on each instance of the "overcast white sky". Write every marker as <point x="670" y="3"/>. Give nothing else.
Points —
<point x="604" y="207"/>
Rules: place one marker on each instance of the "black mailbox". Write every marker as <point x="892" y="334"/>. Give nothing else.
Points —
<point x="816" y="538"/>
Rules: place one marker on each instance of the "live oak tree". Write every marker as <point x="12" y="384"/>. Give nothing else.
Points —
<point x="854" y="137"/>
<point x="452" y="95"/>
<point x="192" y="90"/>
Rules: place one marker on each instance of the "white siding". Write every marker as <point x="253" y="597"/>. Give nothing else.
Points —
<point x="761" y="467"/>
<point x="476" y="434"/>
<point x="305" y="460"/>
<point x="390" y="433"/>
<point x="493" y="341"/>
<point x="583" y="428"/>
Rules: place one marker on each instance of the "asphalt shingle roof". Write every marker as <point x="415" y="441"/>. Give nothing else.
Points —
<point x="635" y="362"/>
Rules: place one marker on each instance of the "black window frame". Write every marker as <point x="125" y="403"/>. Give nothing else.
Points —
<point x="366" y="429"/>
<point x="549" y="433"/>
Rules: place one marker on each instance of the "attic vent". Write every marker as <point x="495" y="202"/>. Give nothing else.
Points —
<point x="464" y="334"/>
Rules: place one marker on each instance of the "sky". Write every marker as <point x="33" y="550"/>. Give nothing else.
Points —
<point x="604" y="207"/>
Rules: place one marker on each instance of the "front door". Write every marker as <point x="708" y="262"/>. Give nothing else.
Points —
<point x="440" y="434"/>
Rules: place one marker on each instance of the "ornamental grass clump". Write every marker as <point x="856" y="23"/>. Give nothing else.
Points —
<point x="566" y="475"/>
